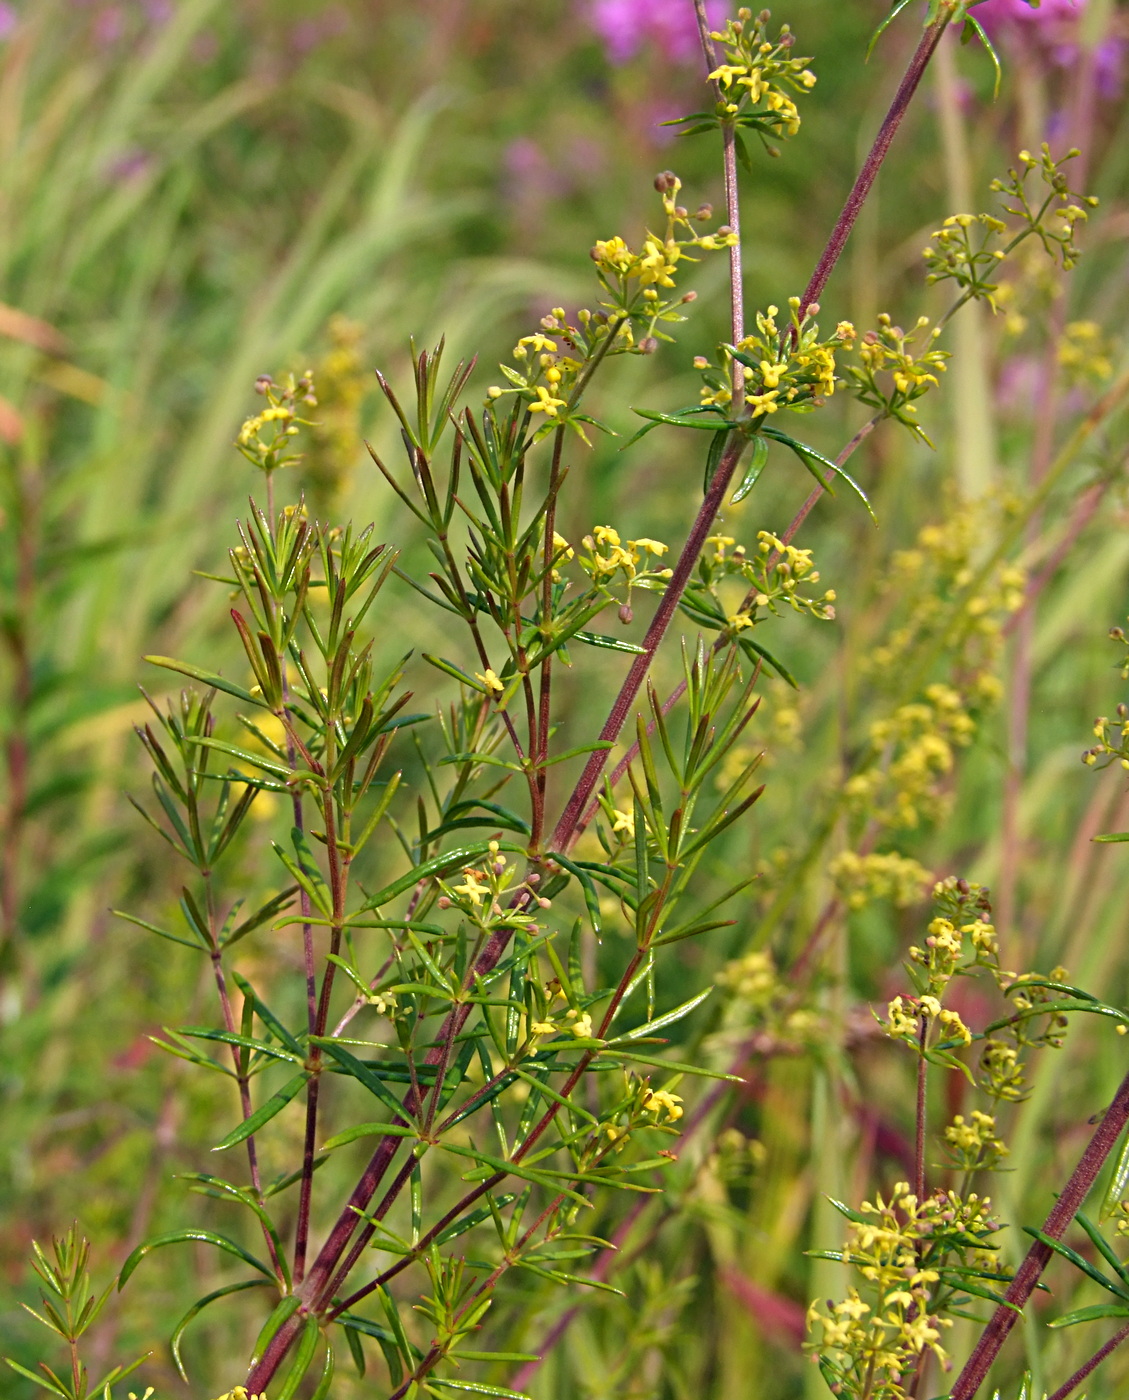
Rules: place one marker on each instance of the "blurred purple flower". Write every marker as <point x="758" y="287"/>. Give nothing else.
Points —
<point x="626" y="25"/>
<point x="8" y="20"/>
<point x="995" y="13"/>
<point x="1050" y="28"/>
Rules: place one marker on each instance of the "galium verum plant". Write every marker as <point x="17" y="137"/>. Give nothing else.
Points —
<point x="494" y="1072"/>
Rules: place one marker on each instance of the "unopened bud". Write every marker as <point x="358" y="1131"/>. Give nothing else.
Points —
<point x="648" y="345"/>
<point x="689" y="297"/>
<point x="704" y="212"/>
<point x="443" y="902"/>
<point x="263" y="383"/>
<point x="665" y="181"/>
<point x="625" y="613"/>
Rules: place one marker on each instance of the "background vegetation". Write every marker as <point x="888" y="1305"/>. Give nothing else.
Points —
<point x="194" y="193"/>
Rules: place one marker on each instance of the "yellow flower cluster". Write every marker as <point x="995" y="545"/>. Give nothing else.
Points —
<point x="973" y="1144"/>
<point x="752" y="977"/>
<point x="606" y="558"/>
<point x="1085" y="353"/>
<point x="265" y="438"/>
<point x="785" y="367"/>
<point x="759" y="77"/>
<point x="907" y="1017"/>
<point x="914" y="752"/>
<point x="1067" y="206"/>
<point x="551" y="365"/>
<point x="952" y="256"/>
<point x="862" y="879"/>
<point x="944" y="952"/>
<point x="899" y="1248"/>
<point x="665" y="1106"/>
<point x="931" y="583"/>
<point x="240" y="1393"/>
<point x="336" y="439"/>
<point x="894" y="372"/>
<point x="480" y="893"/>
<point x="774" y="576"/>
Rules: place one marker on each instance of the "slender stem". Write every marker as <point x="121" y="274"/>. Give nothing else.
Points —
<point x="1094" y="1362"/>
<point x="241" y="1077"/>
<point x="878" y="152"/>
<point x="724" y="640"/>
<point x="1027" y="1276"/>
<point x="566" y="829"/>
<point x="919" y="1135"/>
<point x="541" y="748"/>
<point x="732" y="210"/>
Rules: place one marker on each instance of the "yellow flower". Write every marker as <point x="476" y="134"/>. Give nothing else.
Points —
<point x="655" y="547"/>
<point x="546" y="404"/>
<point x="542" y="1028"/>
<point x="581" y="1025"/>
<point x="490" y="680"/>
<point x="625" y="822"/>
<point x="660" y="1102"/>
<point x="472" y="888"/>
<point x="604" y="534"/>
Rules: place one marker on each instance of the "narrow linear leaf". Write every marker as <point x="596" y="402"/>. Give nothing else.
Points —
<point x="264" y="1113"/>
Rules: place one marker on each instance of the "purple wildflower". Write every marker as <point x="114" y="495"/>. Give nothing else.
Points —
<point x="995" y="13"/>
<point x="1051" y="29"/>
<point x="626" y="25"/>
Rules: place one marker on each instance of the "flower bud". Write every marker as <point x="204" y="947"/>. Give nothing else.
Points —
<point x="665" y="181"/>
<point x="625" y="613"/>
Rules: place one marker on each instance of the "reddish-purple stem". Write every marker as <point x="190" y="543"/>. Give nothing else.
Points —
<point x="1094" y="1362"/>
<point x="873" y="163"/>
<point x="1062" y="1213"/>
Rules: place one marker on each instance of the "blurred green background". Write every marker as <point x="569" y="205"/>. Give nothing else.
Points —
<point x="194" y="193"/>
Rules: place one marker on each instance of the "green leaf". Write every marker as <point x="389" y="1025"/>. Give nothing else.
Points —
<point x="598" y="639"/>
<point x="478" y="1388"/>
<point x="197" y="1308"/>
<point x="303" y="1359"/>
<point x="1091" y="1314"/>
<point x="756" y="652"/>
<point x="673" y="1066"/>
<point x="246" y="1041"/>
<point x="360" y="1072"/>
<point x="328" y="1367"/>
<point x="208" y="678"/>
<point x="264" y="1113"/>
<point x="509" y="1168"/>
<point x="1113" y="836"/>
<point x="162" y="933"/>
<point x="751" y="474"/>
<point x="899" y="6"/>
<point x="972" y="26"/>
<point x="669" y="1019"/>
<point x="39" y="1380"/>
<point x="809" y="457"/>
<point x="260" y="916"/>
<point x="266" y="1015"/>
<point x="190" y="1236"/>
<point x="1079" y="1262"/>
<point x="368" y="1130"/>
<point x="438" y="866"/>
<point x="683" y="418"/>
<point x="449" y="668"/>
<point x="1117" y="1183"/>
